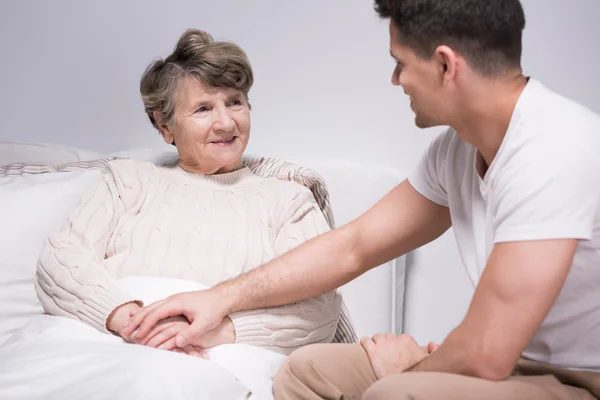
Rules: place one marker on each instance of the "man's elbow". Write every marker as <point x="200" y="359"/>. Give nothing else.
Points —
<point x="491" y="367"/>
<point x="356" y="254"/>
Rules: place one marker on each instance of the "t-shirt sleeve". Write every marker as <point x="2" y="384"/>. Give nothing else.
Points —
<point x="554" y="195"/>
<point x="428" y="178"/>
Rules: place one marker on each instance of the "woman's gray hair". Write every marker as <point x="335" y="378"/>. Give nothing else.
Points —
<point x="196" y="55"/>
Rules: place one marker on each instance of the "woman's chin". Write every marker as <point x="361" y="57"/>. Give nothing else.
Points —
<point x="228" y="164"/>
<point x="229" y="153"/>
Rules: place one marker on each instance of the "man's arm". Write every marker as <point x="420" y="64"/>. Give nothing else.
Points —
<point x="400" y="222"/>
<point x="517" y="289"/>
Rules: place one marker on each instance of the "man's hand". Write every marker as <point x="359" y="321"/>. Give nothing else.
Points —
<point x="163" y="335"/>
<point x="391" y="354"/>
<point x="224" y="333"/>
<point x="204" y="310"/>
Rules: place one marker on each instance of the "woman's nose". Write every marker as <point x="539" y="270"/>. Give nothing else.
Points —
<point x="223" y="119"/>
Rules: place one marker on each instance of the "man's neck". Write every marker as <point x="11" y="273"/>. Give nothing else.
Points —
<point x="486" y="114"/>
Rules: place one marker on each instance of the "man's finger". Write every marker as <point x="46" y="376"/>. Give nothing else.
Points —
<point x="431" y="347"/>
<point x="158" y="328"/>
<point x="377" y="338"/>
<point x="187" y="336"/>
<point x="163" y="327"/>
<point x="168" y="345"/>
<point x="169" y="308"/>
<point x="368" y="344"/>
<point x="134" y="322"/>
<point x="169" y="332"/>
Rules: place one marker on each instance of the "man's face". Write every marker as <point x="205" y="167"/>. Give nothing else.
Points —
<point x="420" y="80"/>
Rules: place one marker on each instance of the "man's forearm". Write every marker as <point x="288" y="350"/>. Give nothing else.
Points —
<point x="400" y="222"/>
<point x="313" y="268"/>
<point x="459" y="355"/>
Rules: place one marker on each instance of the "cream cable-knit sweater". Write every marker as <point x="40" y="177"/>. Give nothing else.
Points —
<point x="146" y="220"/>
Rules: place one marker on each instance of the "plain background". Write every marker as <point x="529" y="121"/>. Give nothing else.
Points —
<point x="70" y="70"/>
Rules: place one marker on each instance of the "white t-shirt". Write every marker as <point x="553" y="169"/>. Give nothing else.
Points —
<point x="544" y="183"/>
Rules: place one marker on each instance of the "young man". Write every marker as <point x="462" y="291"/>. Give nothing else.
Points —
<point x="517" y="176"/>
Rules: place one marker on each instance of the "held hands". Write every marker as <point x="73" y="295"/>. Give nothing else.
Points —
<point x="159" y="336"/>
<point x="204" y="311"/>
<point x="392" y="354"/>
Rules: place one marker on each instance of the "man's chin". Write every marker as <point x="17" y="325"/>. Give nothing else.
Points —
<point x="424" y="123"/>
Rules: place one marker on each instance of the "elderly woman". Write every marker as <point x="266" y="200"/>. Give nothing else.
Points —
<point x="205" y="219"/>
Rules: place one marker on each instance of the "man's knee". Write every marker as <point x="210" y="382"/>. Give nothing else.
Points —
<point x="403" y="387"/>
<point x="296" y="370"/>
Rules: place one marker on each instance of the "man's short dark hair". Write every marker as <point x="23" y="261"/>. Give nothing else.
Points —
<point x="488" y="33"/>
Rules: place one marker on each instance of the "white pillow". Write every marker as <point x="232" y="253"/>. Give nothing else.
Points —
<point x="31" y="207"/>
<point x="16" y="152"/>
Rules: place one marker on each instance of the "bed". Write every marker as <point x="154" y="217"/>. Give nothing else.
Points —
<point x="30" y="206"/>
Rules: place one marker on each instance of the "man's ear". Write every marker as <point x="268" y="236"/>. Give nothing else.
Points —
<point x="163" y="128"/>
<point x="447" y="60"/>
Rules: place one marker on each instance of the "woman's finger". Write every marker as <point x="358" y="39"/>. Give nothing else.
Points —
<point x="191" y="350"/>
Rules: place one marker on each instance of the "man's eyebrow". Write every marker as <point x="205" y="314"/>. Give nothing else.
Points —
<point x="393" y="56"/>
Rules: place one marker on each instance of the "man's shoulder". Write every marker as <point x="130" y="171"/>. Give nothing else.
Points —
<point x="550" y="131"/>
<point x="555" y="117"/>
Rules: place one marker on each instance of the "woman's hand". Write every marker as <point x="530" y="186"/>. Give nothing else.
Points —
<point x="116" y="320"/>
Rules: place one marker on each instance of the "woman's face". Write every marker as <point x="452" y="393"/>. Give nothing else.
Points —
<point x="211" y="127"/>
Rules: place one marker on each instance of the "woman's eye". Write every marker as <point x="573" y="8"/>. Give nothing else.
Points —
<point x="236" y="103"/>
<point x="202" y="109"/>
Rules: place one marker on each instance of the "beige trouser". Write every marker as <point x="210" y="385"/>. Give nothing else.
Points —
<point x="343" y="371"/>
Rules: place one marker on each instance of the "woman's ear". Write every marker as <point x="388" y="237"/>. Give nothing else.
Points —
<point x="163" y="128"/>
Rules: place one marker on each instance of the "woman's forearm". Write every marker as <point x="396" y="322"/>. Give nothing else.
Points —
<point x="286" y="328"/>
<point x="70" y="278"/>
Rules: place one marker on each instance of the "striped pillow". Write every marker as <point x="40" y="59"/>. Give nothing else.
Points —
<point x="41" y="168"/>
<point x="263" y="166"/>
